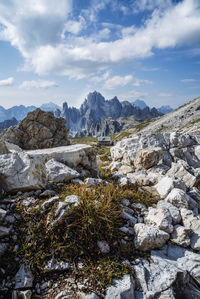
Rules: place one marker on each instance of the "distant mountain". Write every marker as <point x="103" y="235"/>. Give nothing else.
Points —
<point x="95" y="109"/>
<point x="19" y="112"/>
<point x="140" y="103"/>
<point x="91" y="115"/>
<point x="8" y="123"/>
<point x="50" y="107"/>
<point x="165" y="109"/>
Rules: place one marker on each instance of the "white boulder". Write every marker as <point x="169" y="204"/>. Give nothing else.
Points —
<point x="174" y="211"/>
<point x="149" y="237"/>
<point x="166" y="184"/>
<point x="178" y="198"/>
<point x="161" y="218"/>
<point x="181" y="236"/>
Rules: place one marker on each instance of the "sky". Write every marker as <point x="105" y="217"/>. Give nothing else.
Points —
<point x="60" y="51"/>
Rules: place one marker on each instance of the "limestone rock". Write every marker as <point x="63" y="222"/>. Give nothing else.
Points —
<point x="178" y="198"/>
<point x="193" y="223"/>
<point x="179" y="171"/>
<point x="122" y="288"/>
<point x="59" y="172"/>
<point x="39" y="129"/>
<point x="174" y="211"/>
<point x="24" y="277"/>
<point x="161" y="218"/>
<point x="19" y="171"/>
<point x="54" y="265"/>
<point x="50" y="202"/>
<point x="172" y="267"/>
<point x="72" y="200"/>
<point x="148" y="157"/>
<point x="4" y="231"/>
<point x="181" y="236"/>
<point x="103" y="246"/>
<point x="3" y="148"/>
<point x="92" y="182"/>
<point x="89" y="296"/>
<point x="63" y="295"/>
<point x="26" y="170"/>
<point x="149" y="237"/>
<point x="166" y="184"/>
<point x="2" y="214"/>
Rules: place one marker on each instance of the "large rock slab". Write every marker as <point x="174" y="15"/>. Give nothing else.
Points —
<point x="19" y="171"/>
<point x="172" y="267"/>
<point x="27" y="170"/>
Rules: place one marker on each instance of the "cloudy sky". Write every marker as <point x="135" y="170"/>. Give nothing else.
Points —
<point x="59" y="50"/>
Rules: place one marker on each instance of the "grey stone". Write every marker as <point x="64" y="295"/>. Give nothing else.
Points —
<point x="92" y="182"/>
<point x="178" y="198"/>
<point x="181" y="236"/>
<point x="25" y="294"/>
<point x="2" y="214"/>
<point x="171" y="267"/>
<point x="103" y="246"/>
<point x="50" y="202"/>
<point x="72" y="200"/>
<point x="166" y="184"/>
<point x="4" y="231"/>
<point x="121" y="288"/>
<point x="148" y="157"/>
<point x="161" y="218"/>
<point x="174" y="211"/>
<point x="59" y="172"/>
<point x="193" y="223"/>
<point x="148" y="237"/>
<point x="24" y="277"/>
<point x="53" y="266"/>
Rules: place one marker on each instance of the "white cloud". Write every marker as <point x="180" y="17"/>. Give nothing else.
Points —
<point x="188" y="80"/>
<point x="37" y="84"/>
<point x="141" y="5"/>
<point x="120" y="81"/>
<point x="164" y="94"/>
<point x="38" y="29"/>
<point x="7" y="82"/>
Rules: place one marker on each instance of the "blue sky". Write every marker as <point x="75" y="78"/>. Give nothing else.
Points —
<point x="62" y="50"/>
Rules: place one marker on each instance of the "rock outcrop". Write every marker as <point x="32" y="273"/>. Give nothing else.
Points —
<point x="38" y="130"/>
<point x="33" y="169"/>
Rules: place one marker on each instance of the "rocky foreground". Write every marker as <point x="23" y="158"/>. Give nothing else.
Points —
<point x="133" y="233"/>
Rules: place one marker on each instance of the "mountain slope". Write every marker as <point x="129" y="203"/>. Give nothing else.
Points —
<point x="184" y="119"/>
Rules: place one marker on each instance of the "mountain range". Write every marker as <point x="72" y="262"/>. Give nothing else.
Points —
<point x="91" y="113"/>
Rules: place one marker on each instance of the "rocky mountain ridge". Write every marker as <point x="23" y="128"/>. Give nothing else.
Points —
<point x="96" y="109"/>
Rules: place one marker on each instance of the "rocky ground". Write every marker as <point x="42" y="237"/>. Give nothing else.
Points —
<point x="124" y="225"/>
